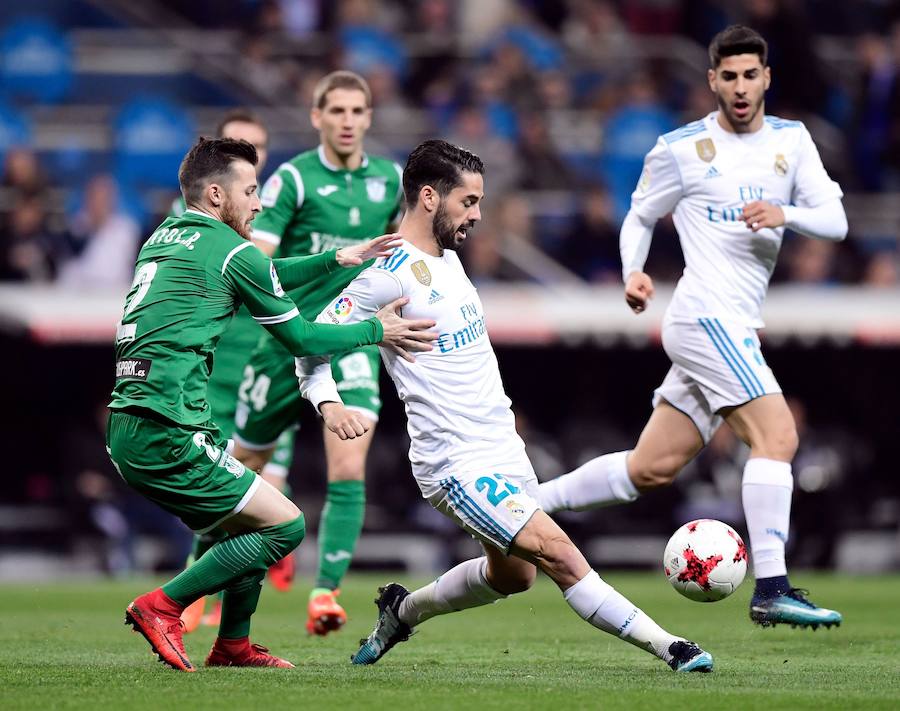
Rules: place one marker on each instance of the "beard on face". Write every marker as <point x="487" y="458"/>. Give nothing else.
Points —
<point x="231" y="217"/>
<point x="445" y="231"/>
<point x="728" y="109"/>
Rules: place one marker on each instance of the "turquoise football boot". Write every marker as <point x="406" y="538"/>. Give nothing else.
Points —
<point x="389" y="629"/>
<point x="688" y="657"/>
<point x="792" y="608"/>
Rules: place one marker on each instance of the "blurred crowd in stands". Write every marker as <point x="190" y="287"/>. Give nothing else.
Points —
<point x="562" y="99"/>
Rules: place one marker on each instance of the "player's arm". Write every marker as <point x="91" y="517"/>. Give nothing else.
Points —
<point x="658" y="191"/>
<point x="816" y="211"/>
<point x="257" y="284"/>
<point x="371" y="292"/>
<point x="294" y="271"/>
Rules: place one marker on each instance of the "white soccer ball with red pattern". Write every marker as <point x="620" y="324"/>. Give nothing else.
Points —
<point x="705" y="560"/>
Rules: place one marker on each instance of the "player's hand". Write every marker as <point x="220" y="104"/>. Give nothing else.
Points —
<point x="364" y="251"/>
<point x="345" y="423"/>
<point x="760" y="214"/>
<point x="404" y="336"/>
<point x="638" y="291"/>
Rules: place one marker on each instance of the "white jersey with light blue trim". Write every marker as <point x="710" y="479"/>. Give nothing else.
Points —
<point x="459" y="416"/>
<point x="705" y="175"/>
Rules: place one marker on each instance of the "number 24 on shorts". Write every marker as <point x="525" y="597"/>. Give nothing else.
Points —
<point x="492" y="485"/>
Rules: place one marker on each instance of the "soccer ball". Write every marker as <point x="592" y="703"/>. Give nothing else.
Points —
<point x="705" y="560"/>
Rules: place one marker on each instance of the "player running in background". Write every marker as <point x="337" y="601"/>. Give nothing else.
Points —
<point x="735" y="180"/>
<point x="190" y="275"/>
<point x="465" y="453"/>
<point x="332" y="196"/>
<point x="239" y="339"/>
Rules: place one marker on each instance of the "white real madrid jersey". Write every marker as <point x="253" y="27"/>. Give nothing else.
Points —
<point x="458" y="415"/>
<point x="705" y="175"/>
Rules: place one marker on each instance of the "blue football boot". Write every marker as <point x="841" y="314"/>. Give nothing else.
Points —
<point x="389" y="629"/>
<point x="792" y="608"/>
<point x="688" y="657"/>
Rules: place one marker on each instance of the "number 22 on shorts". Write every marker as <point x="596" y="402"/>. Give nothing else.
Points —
<point x="494" y="494"/>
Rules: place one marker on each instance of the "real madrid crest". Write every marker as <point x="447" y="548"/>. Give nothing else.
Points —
<point x="781" y="165"/>
<point x="420" y="270"/>
<point x="706" y="149"/>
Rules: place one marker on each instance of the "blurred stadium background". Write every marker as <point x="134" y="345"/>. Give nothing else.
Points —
<point x="99" y="99"/>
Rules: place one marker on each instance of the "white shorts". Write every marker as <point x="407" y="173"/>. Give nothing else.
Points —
<point x="492" y="506"/>
<point x="715" y="364"/>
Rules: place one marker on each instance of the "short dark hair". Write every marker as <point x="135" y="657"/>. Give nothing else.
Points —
<point x="737" y="39"/>
<point x="209" y="159"/>
<point x="341" y="79"/>
<point x="438" y="164"/>
<point x="239" y="115"/>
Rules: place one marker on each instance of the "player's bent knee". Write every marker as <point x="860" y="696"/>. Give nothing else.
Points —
<point x="515" y="581"/>
<point x="662" y="473"/>
<point x="281" y="539"/>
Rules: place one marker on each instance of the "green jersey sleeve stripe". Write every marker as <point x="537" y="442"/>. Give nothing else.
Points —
<point x="269" y="237"/>
<point x="301" y="194"/>
<point x="233" y="252"/>
<point x="269" y="320"/>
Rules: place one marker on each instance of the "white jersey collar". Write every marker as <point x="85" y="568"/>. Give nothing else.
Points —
<point x="715" y="127"/>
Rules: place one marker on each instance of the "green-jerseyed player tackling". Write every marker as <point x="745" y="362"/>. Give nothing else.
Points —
<point x="191" y="275"/>
<point x="332" y="196"/>
<point x="238" y="340"/>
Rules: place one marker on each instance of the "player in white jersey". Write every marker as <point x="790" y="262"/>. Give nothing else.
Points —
<point x="734" y="181"/>
<point x="466" y="455"/>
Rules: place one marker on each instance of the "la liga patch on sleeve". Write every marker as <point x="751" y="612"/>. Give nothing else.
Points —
<point x="276" y="282"/>
<point x="271" y="191"/>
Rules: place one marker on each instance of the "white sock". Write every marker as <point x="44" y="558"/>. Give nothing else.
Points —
<point x="600" y="482"/>
<point x="459" y="588"/>
<point x="766" y="491"/>
<point x="597" y="602"/>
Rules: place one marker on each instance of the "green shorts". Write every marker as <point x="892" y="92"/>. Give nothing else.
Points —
<point x="269" y="400"/>
<point x="185" y="470"/>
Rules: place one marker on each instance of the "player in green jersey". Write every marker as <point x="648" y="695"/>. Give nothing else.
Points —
<point x="332" y="196"/>
<point x="239" y="339"/>
<point x="190" y="276"/>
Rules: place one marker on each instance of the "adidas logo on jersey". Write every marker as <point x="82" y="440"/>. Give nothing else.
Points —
<point x="712" y="172"/>
<point x="326" y="190"/>
<point x="434" y="298"/>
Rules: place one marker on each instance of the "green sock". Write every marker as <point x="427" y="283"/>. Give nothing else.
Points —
<point x="202" y="543"/>
<point x="342" y="522"/>
<point x="238" y="605"/>
<point x="233" y="558"/>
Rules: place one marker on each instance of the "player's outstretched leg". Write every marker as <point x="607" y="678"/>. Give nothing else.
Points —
<point x="389" y="629"/>
<point x="460" y="588"/>
<point x="543" y="542"/>
<point x="158" y="618"/>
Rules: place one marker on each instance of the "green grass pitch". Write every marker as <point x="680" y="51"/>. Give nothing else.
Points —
<point x="64" y="647"/>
